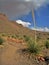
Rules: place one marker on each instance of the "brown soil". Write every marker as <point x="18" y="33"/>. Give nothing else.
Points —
<point x="15" y="54"/>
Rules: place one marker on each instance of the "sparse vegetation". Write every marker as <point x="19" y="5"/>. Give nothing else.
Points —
<point x="3" y="34"/>
<point x="13" y="36"/>
<point x="47" y="44"/>
<point x="38" y="38"/>
<point x="17" y="35"/>
<point x="1" y="41"/>
<point x="34" y="48"/>
<point x="27" y="38"/>
<point x="9" y="36"/>
<point x="20" y="38"/>
<point x="20" y="41"/>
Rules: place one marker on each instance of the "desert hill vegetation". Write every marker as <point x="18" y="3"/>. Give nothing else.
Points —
<point x="17" y="45"/>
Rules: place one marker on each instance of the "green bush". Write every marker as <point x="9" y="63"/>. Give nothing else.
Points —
<point x="1" y="41"/>
<point x="27" y="38"/>
<point x="13" y="36"/>
<point x="47" y="44"/>
<point x="4" y="34"/>
<point x="33" y="47"/>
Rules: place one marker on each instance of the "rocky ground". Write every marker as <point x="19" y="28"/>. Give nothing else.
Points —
<point x="15" y="54"/>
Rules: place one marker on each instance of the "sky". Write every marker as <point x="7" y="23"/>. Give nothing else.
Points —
<point x="23" y="10"/>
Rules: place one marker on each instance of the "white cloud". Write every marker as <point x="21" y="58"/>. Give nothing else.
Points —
<point x="25" y="24"/>
<point x="45" y="29"/>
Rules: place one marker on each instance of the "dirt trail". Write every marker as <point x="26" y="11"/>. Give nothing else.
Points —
<point x="11" y="55"/>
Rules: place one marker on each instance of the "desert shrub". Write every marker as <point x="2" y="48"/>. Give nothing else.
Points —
<point x="3" y="34"/>
<point x="33" y="47"/>
<point x="47" y="38"/>
<point x="9" y="36"/>
<point x="47" y="44"/>
<point x="1" y="41"/>
<point x="27" y="38"/>
<point x="20" y="37"/>
<point x="13" y="36"/>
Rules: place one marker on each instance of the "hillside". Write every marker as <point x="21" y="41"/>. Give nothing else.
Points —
<point x="14" y="51"/>
<point x="7" y="26"/>
<point x="11" y="27"/>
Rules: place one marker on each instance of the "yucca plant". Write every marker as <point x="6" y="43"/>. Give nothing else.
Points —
<point x="33" y="47"/>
